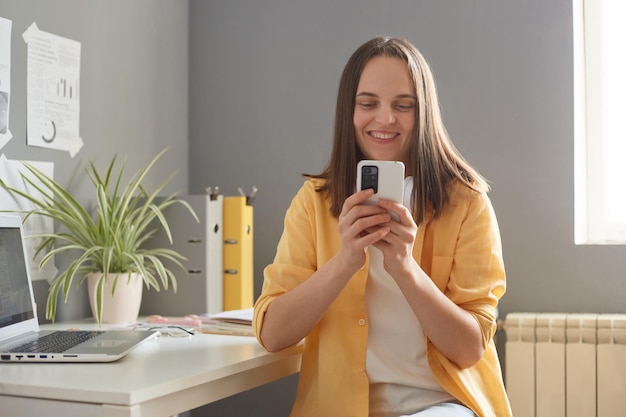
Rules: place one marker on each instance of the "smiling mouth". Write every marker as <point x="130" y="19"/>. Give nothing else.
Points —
<point x="383" y="136"/>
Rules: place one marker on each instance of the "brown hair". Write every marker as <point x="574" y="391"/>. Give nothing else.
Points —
<point x="434" y="160"/>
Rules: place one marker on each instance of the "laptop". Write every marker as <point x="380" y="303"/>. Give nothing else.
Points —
<point x="20" y="337"/>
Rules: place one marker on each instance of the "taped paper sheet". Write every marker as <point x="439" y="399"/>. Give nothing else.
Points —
<point x="10" y="173"/>
<point x="52" y="91"/>
<point x="5" y="80"/>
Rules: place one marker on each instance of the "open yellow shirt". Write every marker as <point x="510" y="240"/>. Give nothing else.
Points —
<point x="461" y="252"/>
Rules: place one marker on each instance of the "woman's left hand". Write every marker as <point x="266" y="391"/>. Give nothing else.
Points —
<point x="397" y="245"/>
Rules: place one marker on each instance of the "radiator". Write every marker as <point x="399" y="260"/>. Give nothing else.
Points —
<point x="565" y="364"/>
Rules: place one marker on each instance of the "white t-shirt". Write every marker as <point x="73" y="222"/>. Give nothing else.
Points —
<point x="401" y="381"/>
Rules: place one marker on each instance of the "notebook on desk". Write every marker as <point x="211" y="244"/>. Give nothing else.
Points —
<point x="20" y="337"/>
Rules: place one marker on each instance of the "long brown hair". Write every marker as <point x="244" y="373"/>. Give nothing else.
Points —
<point x="434" y="160"/>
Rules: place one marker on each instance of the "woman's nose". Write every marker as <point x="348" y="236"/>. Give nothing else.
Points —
<point x="385" y="115"/>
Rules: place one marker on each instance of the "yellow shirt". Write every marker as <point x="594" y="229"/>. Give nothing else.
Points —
<point x="461" y="252"/>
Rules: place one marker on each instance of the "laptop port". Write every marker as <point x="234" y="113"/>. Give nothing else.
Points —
<point x="43" y="356"/>
<point x="5" y="357"/>
<point x="31" y="356"/>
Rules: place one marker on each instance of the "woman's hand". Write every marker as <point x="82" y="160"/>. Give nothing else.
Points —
<point x="397" y="245"/>
<point x="450" y="328"/>
<point x="361" y="225"/>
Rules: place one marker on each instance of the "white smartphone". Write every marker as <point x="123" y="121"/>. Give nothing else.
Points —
<point x="385" y="177"/>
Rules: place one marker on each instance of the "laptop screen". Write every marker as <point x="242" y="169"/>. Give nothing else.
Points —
<point x="15" y="293"/>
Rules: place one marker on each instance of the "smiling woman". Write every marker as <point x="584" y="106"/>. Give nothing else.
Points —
<point x="431" y="264"/>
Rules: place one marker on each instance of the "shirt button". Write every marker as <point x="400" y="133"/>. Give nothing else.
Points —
<point x="361" y="322"/>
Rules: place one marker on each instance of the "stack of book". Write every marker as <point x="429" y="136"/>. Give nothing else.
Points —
<point x="232" y="322"/>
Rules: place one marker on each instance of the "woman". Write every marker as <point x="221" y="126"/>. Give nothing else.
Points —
<point x="397" y="317"/>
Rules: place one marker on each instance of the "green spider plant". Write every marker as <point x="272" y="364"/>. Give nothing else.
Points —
<point x="110" y="242"/>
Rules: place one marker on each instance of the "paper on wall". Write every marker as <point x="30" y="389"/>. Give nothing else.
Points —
<point x="52" y="91"/>
<point x="5" y="80"/>
<point x="10" y="173"/>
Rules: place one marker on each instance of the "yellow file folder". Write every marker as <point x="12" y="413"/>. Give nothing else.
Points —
<point x="238" y="252"/>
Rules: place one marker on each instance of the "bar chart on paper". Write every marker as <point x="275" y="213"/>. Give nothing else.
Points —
<point x="64" y="88"/>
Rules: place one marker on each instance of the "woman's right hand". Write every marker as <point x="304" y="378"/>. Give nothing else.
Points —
<point x="360" y="225"/>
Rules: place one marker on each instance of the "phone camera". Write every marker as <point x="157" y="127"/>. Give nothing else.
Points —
<point x="369" y="178"/>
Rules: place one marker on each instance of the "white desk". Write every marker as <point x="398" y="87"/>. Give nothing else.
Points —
<point x="161" y="377"/>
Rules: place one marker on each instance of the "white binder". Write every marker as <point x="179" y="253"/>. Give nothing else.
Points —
<point x="200" y="287"/>
<point x="215" y="259"/>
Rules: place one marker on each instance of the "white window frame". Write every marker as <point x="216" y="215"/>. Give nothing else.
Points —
<point x="600" y="121"/>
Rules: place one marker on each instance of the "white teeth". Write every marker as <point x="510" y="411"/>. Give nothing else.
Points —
<point x="385" y="136"/>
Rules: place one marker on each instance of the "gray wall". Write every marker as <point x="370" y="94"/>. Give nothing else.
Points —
<point x="134" y="93"/>
<point x="259" y="111"/>
<point x="264" y="78"/>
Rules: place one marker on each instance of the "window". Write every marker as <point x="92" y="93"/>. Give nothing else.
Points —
<point x="600" y="121"/>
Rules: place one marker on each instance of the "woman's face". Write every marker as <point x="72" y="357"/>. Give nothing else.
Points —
<point x="384" y="114"/>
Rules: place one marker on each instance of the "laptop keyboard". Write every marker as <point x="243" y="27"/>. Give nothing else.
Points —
<point x="57" y="342"/>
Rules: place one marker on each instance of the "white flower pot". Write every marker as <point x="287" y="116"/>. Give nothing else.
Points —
<point x="122" y="306"/>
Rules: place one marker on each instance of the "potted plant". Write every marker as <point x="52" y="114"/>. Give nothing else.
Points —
<point x="110" y="243"/>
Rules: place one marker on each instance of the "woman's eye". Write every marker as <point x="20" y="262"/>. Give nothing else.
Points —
<point x="367" y="105"/>
<point x="404" y="106"/>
